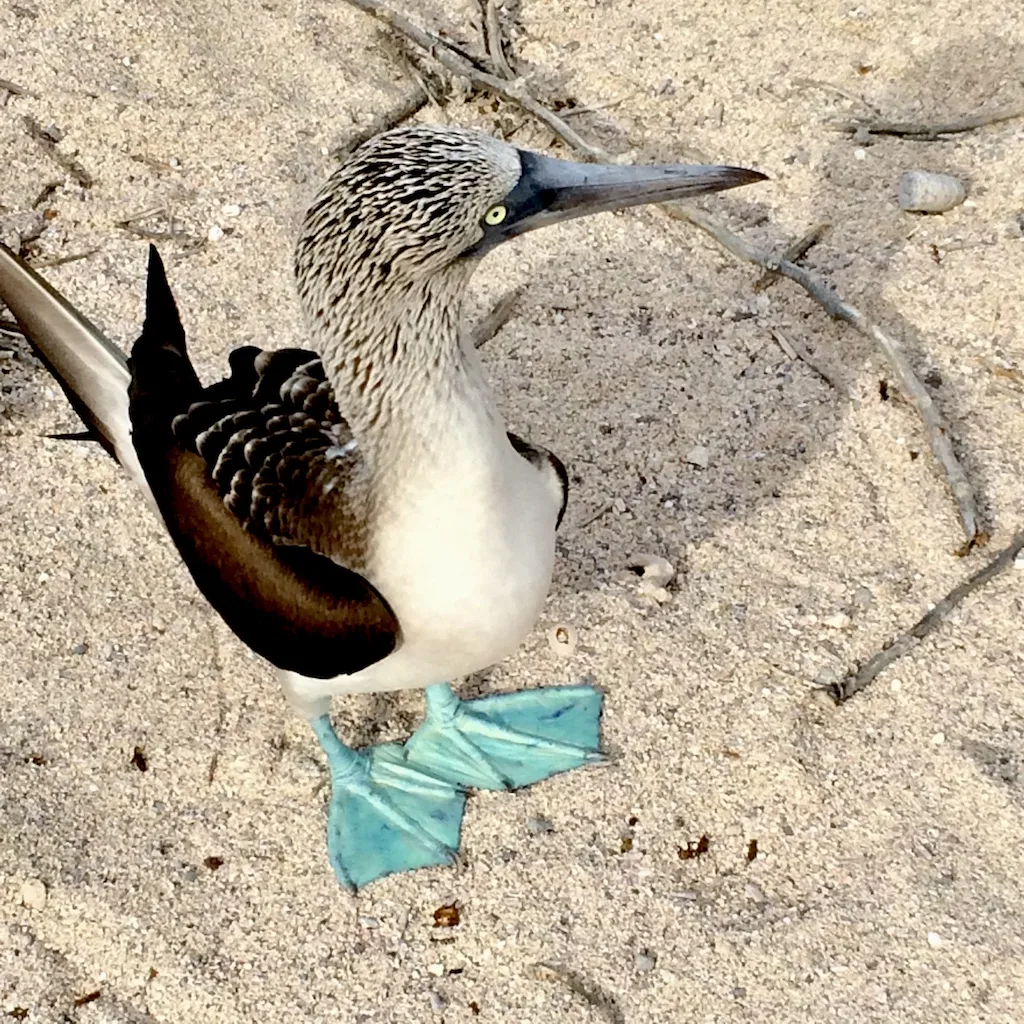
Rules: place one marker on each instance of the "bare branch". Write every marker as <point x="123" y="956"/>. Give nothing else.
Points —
<point x="929" y="132"/>
<point x="793" y="253"/>
<point x="59" y="261"/>
<point x="796" y="351"/>
<point x="406" y="107"/>
<point x="67" y="163"/>
<point x="492" y="36"/>
<point x="499" y="315"/>
<point x="856" y="681"/>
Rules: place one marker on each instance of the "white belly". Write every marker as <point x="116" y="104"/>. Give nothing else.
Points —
<point x="464" y="559"/>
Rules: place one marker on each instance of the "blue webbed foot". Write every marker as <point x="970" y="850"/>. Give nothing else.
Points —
<point x="507" y="740"/>
<point x="386" y="815"/>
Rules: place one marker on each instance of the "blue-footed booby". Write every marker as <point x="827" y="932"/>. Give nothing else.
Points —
<point x="358" y="514"/>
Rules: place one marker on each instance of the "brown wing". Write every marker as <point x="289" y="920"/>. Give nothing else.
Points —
<point x="253" y="478"/>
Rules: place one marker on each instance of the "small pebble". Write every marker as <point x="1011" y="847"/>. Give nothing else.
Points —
<point x="645" y="960"/>
<point x="365" y="921"/>
<point x="437" y="970"/>
<point x="538" y="825"/>
<point x="837" y="620"/>
<point x="33" y="894"/>
<point x="80" y="648"/>
<point x="437" y="1003"/>
<point x="934" y="940"/>
<point x="938" y="739"/>
<point x="860" y="154"/>
<point x="1018" y="562"/>
<point x="231" y="209"/>
<point x="926" y="192"/>
<point x="619" y="505"/>
<point x="863" y="598"/>
<point x="215" y="234"/>
<point x="698" y="456"/>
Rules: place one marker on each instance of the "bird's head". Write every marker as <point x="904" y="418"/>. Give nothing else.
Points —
<point x="417" y="200"/>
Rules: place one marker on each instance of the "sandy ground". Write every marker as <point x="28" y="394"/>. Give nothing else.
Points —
<point x="888" y="883"/>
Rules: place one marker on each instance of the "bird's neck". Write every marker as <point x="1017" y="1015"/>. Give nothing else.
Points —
<point x="403" y="376"/>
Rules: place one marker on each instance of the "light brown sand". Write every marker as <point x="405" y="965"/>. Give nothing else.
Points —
<point x="889" y="880"/>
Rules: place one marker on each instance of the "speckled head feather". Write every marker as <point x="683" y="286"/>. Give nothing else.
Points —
<point x="378" y="259"/>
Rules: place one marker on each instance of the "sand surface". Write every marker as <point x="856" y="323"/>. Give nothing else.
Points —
<point x="888" y="883"/>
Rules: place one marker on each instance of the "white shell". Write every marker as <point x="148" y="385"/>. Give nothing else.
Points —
<point x="655" y="570"/>
<point x="927" y="192"/>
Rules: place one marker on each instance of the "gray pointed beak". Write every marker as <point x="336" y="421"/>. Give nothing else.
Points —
<point x="550" y="191"/>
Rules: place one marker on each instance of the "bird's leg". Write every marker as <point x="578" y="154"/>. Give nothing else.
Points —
<point x="385" y="815"/>
<point x="507" y="740"/>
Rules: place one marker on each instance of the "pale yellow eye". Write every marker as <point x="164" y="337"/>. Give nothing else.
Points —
<point x="496" y="214"/>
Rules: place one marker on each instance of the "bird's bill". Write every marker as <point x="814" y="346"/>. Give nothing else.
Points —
<point x="550" y="191"/>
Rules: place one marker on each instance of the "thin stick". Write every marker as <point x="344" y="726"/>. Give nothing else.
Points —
<point x="856" y="681"/>
<point x="492" y="36"/>
<point x="406" y="107"/>
<point x="588" y="991"/>
<point x="59" y="261"/>
<point x="69" y="164"/>
<point x="159" y="236"/>
<point x="793" y="253"/>
<point x="45" y="192"/>
<point x="795" y="351"/>
<point x="595" y="107"/>
<point x="152" y="211"/>
<point x="499" y="315"/>
<point x="935" y="426"/>
<point x="600" y="513"/>
<point x="930" y="132"/>
<point x="515" y="91"/>
<point x="13" y="88"/>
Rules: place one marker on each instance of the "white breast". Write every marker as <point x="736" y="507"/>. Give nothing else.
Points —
<point x="462" y="551"/>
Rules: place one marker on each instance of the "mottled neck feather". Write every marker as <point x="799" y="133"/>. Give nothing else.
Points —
<point x="393" y="352"/>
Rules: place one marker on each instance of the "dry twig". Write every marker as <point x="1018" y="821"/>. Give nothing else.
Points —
<point x="59" y="261"/>
<point x="935" y="426"/>
<point x="588" y="991"/>
<point x="45" y="192"/>
<point x="929" y="132"/>
<point x="856" y="681"/>
<point x="152" y="211"/>
<point x="796" y="351"/>
<point x="499" y="315"/>
<point x="793" y="253"/>
<point x="68" y="163"/>
<point x="492" y="36"/>
<point x="13" y="88"/>
<point x="406" y="107"/>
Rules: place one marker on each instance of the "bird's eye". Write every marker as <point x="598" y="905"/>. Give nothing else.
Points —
<point x="496" y="214"/>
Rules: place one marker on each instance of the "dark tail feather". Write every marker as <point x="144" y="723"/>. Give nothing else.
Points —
<point x="163" y="380"/>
